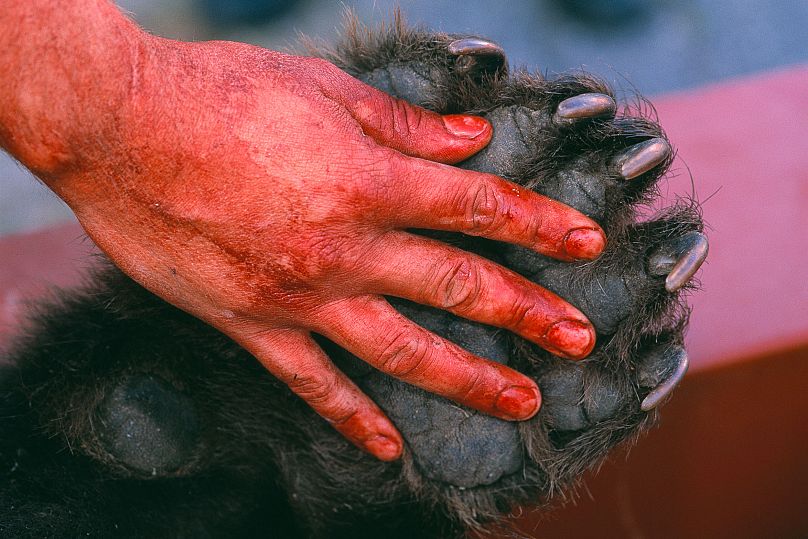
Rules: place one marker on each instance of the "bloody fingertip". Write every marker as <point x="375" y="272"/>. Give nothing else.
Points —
<point x="467" y="127"/>
<point x="584" y="243"/>
<point x="383" y="448"/>
<point x="518" y="402"/>
<point x="571" y="339"/>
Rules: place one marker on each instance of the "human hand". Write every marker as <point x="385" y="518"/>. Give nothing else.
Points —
<point x="270" y="195"/>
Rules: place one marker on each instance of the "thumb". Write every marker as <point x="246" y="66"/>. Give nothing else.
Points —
<point x="410" y="129"/>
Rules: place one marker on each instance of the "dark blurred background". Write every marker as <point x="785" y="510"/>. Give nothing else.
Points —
<point x="657" y="46"/>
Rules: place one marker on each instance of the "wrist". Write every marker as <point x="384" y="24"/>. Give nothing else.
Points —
<point x="68" y="71"/>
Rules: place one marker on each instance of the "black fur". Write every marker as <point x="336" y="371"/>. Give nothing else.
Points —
<point x="122" y="416"/>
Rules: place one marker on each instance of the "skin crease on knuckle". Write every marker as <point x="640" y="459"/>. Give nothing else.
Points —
<point x="455" y="285"/>
<point x="406" y="354"/>
<point x="494" y="208"/>
<point x="483" y="209"/>
<point x="314" y="388"/>
<point x="405" y="120"/>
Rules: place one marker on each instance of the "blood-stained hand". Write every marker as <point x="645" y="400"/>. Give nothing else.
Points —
<point x="271" y="196"/>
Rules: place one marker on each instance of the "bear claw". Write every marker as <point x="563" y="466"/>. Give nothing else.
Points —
<point x="678" y="260"/>
<point x="584" y="106"/>
<point x="642" y="157"/>
<point x="477" y="55"/>
<point x="672" y="364"/>
<point x="688" y="264"/>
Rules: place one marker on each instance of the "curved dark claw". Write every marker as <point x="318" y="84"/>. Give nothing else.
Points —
<point x="678" y="355"/>
<point x="584" y="106"/>
<point x="477" y="55"/>
<point x="688" y="264"/>
<point x="642" y="157"/>
<point x="679" y="259"/>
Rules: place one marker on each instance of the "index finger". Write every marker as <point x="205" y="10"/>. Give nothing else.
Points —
<point x="423" y="194"/>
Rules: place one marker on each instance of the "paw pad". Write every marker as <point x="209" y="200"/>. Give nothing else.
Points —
<point x="146" y="425"/>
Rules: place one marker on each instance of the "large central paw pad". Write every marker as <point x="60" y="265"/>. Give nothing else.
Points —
<point x="568" y="139"/>
<point x="148" y="426"/>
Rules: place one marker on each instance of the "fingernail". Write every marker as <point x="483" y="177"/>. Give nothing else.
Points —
<point x="383" y="448"/>
<point x="584" y="243"/>
<point x="571" y="339"/>
<point x="463" y="126"/>
<point x="518" y="402"/>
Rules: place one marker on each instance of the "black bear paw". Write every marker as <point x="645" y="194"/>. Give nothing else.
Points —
<point x="568" y="139"/>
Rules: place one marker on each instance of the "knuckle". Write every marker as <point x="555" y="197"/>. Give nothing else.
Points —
<point x="458" y="284"/>
<point x="533" y="226"/>
<point x="470" y="386"/>
<point x="372" y="180"/>
<point x="327" y="254"/>
<point x="323" y="395"/>
<point x="405" y="354"/>
<point x="482" y="209"/>
<point x="404" y="118"/>
<point x="519" y="310"/>
<point x="324" y="255"/>
<point x="320" y="69"/>
<point x="313" y="389"/>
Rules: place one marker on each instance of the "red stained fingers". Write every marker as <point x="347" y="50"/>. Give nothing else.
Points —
<point x="432" y="273"/>
<point x="371" y="329"/>
<point x="295" y="359"/>
<point x="404" y="127"/>
<point x="433" y="196"/>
